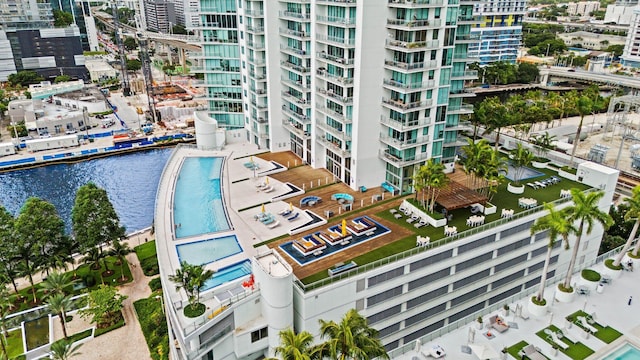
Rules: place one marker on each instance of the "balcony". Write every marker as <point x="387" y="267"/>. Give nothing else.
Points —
<point x="254" y="13"/>
<point x="404" y="144"/>
<point x="467" y="20"/>
<point x="399" y="86"/>
<point x="297" y="84"/>
<point x="294" y="33"/>
<point x="215" y="9"/>
<point x="402" y="106"/>
<point x="296" y="129"/>
<point x="334" y="40"/>
<point x="337" y="2"/>
<point x="461" y="93"/>
<point x="296" y="100"/>
<point x="400" y="162"/>
<point x="464" y="57"/>
<point x="404" y="125"/>
<point x="411" y="67"/>
<point x="460" y="110"/>
<point x="333" y="114"/>
<point x="465" y="75"/>
<point x="258" y="76"/>
<point x="292" y="15"/>
<point x="334" y="78"/>
<point x="343" y="100"/>
<point x="408" y="25"/>
<point x="337" y="21"/>
<point x="468" y="38"/>
<point x="333" y="146"/>
<point x="258" y="91"/>
<point x="256" y="60"/>
<point x="415" y="45"/>
<point x="215" y="40"/>
<point x="333" y="131"/>
<point x="300" y="117"/>
<point x="335" y="59"/>
<point x="294" y="51"/>
<point x="415" y="3"/>
<point x="260" y="106"/>
<point x="257" y="30"/>
<point x="295" y="1"/>
<point x="256" y="45"/>
<point x="298" y="68"/>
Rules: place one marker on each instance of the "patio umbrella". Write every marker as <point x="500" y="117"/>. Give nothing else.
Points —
<point x="262" y="208"/>
<point x="344" y="227"/>
<point x="291" y="206"/>
<point x="266" y="180"/>
<point x="418" y="346"/>
<point x="484" y="352"/>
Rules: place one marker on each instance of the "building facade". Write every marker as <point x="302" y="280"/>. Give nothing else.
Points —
<point x="631" y="53"/>
<point x="160" y="15"/>
<point x="499" y="32"/>
<point x="83" y="18"/>
<point x="582" y="8"/>
<point x="589" y="40"/>
<point x="311" y="81"/>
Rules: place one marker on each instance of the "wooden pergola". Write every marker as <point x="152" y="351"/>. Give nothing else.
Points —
<point x="456" y="196"/>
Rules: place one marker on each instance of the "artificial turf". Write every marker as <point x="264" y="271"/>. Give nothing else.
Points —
<point x="606" y="334"/>
<point x="576" y="351"/>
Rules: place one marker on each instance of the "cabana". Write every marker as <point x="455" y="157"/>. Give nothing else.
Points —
<point x="457" y="196"/>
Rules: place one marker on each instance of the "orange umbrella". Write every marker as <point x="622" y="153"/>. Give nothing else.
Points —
<point x="344" y="227"/>
<point x="291" y="206"/>
<point x="263" y="208"/>
<point x="266" y="180"/>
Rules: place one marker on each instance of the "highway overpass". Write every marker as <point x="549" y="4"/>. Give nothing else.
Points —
<point x="561" y="74"/>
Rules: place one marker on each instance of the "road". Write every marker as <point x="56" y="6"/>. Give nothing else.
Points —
<point x="128" y="112"/>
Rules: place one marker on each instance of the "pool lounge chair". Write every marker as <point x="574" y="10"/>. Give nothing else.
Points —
<point x="540" y="184"/>
<point x="286" y="213"/>
<point x="268" y="189"/>
<point x="274" y="225"/>
<point x="294" y="216"/>
<point x="533" y="186"/>
<point x="532" y="353"/>
<point x="556" y="340"/>
<point x="583" y="321"/>
<point x="498" y="324"/>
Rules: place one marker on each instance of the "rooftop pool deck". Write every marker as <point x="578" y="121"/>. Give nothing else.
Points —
<point x="402" y="235"/>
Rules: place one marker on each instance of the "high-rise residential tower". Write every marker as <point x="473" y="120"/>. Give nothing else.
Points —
<point x="366" y="89"/>
<point x="499" y="31"/>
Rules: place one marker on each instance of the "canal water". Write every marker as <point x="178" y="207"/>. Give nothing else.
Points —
<point x="131" y="181"/>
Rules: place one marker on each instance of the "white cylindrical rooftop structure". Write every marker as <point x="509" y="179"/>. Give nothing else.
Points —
<point x="208" y="135"/>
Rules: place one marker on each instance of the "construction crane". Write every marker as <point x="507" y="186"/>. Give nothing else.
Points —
<point x="126" y="87"/>
<point x="143" y="42"/>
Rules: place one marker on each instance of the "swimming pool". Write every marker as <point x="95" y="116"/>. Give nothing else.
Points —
<point x="197" y="204"/>
<point x="207" y="251"/>
<point x="228" y="273"/>
<point x="527" y="173"/>
<point x="625" y="352"/>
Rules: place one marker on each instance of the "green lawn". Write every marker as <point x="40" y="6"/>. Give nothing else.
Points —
<point x="146" y="250"/>
<point x="14" y="343"/>
<point x="503" y="200"/>
<point x="606" y="334"/>
<point x="117" y="325"/>
<point x="113" y="279"/>
<point x="148" y="258"/>
<point x="513" y="350"/>
<point x="576" y="351"/>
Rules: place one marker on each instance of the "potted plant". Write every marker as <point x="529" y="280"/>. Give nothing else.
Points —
<point x="590" y="278"/>
<point x="505" y="351"/>
<point x="479" y="323"/>
<point x="506" y="309"/>
<point x="521" y="157"/>
<point x="565" y="294"/>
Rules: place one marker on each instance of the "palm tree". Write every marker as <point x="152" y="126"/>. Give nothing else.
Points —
<point x="558" y="225"/>
<point x="352" y="338"/>
<point x="296" y="346"/>
<point x="191" y="278"/>
<point x="59" y="303"/>
<point x="520" y="158"/>
<point x="57" y="283"/>
<point x="584" y="209"/>
<point x="430" y="177"/>
<point x="632" y="213"/>
<point x="543" y="143"/>
<point x="6" y="304"/>
<point x="120" y="250"/>
<point x="92" y="258"/>
<point x="64" y="350"/>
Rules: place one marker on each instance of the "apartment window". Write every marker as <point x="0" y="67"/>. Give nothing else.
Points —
<point x="383" y="296"/>
<point x="513" y="262"/>
<point x="507" y="279"/>
<point x="259" y="334"/>
<point x="468" y="311"/>
<point x="425" y="315"/>
<point x="476" y="244"/>
<point x="375" y="280"/>
<point x="384" y="314"/>
<point x="469" y="295"/>
<point x="474" y="261"/>
<point x="473" y="278"/>
<point x="426" y="297"/>
<point x="514" y="246"/>
<point x="505" y="295"/>
<point x="425" y="280"/>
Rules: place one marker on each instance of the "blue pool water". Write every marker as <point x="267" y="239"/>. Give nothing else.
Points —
<point x="228" y="273"/>
<point x="527" y="173"/>
<point x="130" y="180"/>
<point x="207" y="251"/>
<point x="197" y="204"/>
<point x="625" y="352"/>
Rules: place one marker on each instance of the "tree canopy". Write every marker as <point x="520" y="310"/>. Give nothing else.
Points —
<point x="24" y="78"/>
<point x="62" y="18"/>
<point x="104" y="306"/>
<point x="134" y="65"/>
<point x="130" y="43"/>
<point x="93" y="218"/>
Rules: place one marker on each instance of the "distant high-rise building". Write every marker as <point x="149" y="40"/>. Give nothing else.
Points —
<point x="369" y="90"/>
<point x="34" y="44"/>
<point x="81" y="11"/>
<point x="160" y="15"/>
<point x="631" y="53"/>
<point x="498" y="33"/>
<point x="582" y="8"/>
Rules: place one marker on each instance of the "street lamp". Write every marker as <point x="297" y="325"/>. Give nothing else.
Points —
<point x="161" y="302"/>
<point x="548" y="46"/>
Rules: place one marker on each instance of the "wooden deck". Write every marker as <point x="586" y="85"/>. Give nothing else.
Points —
<point x="397" y="232"/>
<point x="284" y="158"/>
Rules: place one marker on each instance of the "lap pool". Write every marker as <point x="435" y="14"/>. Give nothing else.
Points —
<point x="207" y="251"/>
<point x="527" y="173"/>
<point x="197" y="204"/>
<point x="625" y="352"/>
<point x="227" y="274"/>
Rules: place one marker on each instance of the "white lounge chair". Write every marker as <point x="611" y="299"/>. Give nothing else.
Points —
<point x="558" y="342"/>
<point x="532" y="353"/>
<point x="274" y="225"/>
<point x="583" y="321"/>
<point x="269" y="189"/>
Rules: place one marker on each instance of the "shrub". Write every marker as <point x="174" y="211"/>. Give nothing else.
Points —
<point x="565" y="289"/>
<point x="591" y="275"/>
<point x="194" y="311"/>
<point x="630" y="254"/>
<point x="89" y="280"/>
<point x="609" y="263"/>
<point x="150" y="266"/>
<point x="541" y="159"/>
<point x="569" y="170"/>
<point x="155" y="284"/>
<point x="542" y="302"/>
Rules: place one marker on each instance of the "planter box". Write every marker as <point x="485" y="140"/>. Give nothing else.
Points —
<point x="515" y="189"/>
<point x="488" y="209"/>
<point x="537" y="311"/>
<point x="567" y="175"/>
<point x="614" y="274"/>
<point x="591" y="285"/>
<point x="565" y="297"/>
<point x="539" y="165"/>
<point x="423" y="215"/>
